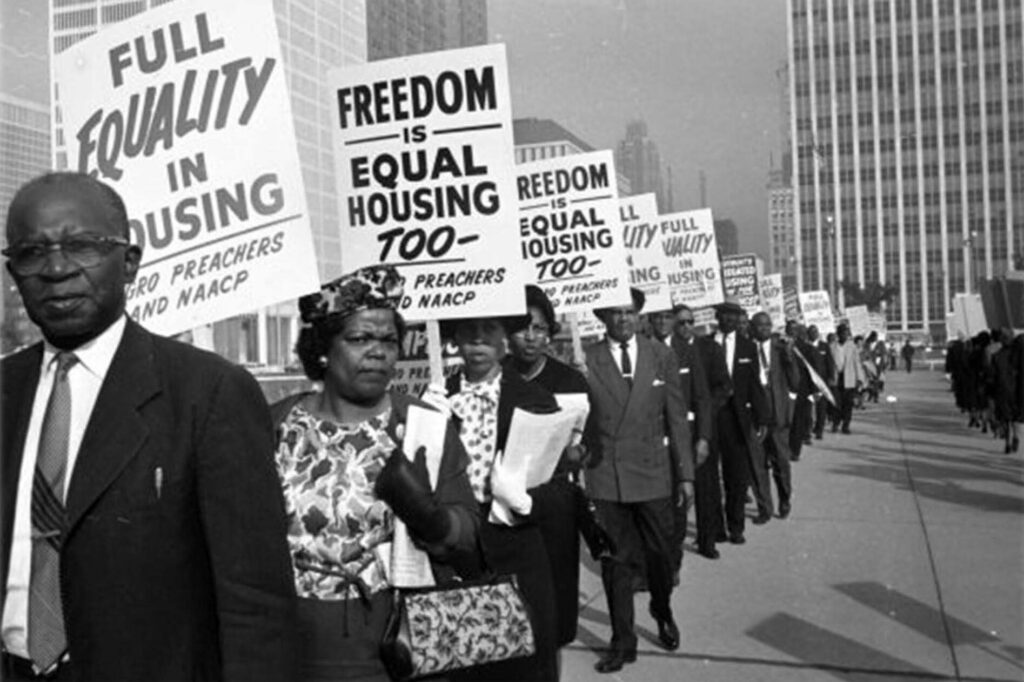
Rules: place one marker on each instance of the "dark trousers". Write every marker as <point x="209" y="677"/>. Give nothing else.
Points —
<point x="776" y="447"/>
<point x="821" y="408"/>
<point x="735" y="468"/>
<point x="846" y="398"/>
<point x="803" y="420"/>
<point x="17" y="669"/>
<point x="707" y="488"/>
<point x="642" y="532"/>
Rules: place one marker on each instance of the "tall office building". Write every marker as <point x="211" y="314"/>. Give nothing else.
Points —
<point x="782" y="246"/>
<point x="396" y="28"/>
<point x="636" y="157"/>
<point x="907" y="130"/>
<point x="315" y="35"/>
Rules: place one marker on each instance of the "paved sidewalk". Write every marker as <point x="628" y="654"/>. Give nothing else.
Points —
<point x="903" y="559"/>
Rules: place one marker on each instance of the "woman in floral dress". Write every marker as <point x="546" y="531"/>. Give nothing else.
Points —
<point x="345" y="478"/>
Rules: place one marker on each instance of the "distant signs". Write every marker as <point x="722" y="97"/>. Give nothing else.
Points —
<point x="860" y="323"/>
<point x="817" y="310"/>
<point x="772" y="300"/>
<point x="688" y="243"/>
<point x="791" y="301"/>
<point x="183" y="109"/>
<point x="647" y="264"/>
<point x="570" y="231"/>
<point x="739" y="279"/>
<point x="426" y="179"/>
<point x="876" y="323"/>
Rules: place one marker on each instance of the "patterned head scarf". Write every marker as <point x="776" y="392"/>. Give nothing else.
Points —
<point x="377" y="286"/>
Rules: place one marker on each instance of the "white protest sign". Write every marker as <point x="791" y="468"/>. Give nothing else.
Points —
<point x="569" y="225"/>
<point x="876" y="323"/>
<point x="412" y="371"/>
<point x="858" y="319"/>
<point x="739" y="279"/>
<point x="773" y="301"/>
<point x="817" y="310"/>
<point x="426" y="179"/>
<point x="688" y="243"/>
<point x="639" y="215"/>
<point x="183" y="109"/>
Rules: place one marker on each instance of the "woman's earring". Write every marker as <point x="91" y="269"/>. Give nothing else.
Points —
<point x="322" y="360"/>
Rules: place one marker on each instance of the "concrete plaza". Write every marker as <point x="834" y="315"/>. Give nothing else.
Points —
<point x="903" y="559"/>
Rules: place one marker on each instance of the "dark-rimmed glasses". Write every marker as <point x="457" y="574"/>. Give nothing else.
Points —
<point x="28" y="259"/>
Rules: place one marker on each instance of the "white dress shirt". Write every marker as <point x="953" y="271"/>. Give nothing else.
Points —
<point x="728" y="341"/>
<point x="85" y="378"/>
<point x="616" y="349"/>
<point x="765" y="359"/>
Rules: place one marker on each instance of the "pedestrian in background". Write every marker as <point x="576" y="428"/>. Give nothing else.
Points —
<point x="908" y="355"/>
<point x="849" y="377"/>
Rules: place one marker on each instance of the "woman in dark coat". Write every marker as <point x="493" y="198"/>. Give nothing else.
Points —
<point x="482" y="397"/>
<point x="558" y="500"/>
<point x="1008" y="390"/>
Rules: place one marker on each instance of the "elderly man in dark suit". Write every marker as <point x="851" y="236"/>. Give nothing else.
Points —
<point x="743" y="419"/>
<point x="639" y="444"/>
<point x="780" y="378"/>
<point x="822" y="362"/>
<point x="143" y="528"/>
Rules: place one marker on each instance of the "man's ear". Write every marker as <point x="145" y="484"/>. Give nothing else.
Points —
<point x="132" y="261"/>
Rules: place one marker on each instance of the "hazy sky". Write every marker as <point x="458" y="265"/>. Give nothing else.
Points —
<point x="701" y="73"/>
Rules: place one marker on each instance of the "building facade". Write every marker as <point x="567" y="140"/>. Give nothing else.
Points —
<point x="402" y="27"/>
<point x="907" y="131"/>
<point x="637" y="157"/>
<point x="782" y="255"/>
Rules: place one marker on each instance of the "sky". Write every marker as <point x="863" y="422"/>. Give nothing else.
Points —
<point x="701" y="73"/>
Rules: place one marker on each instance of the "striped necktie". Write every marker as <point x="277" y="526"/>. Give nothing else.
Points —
<point x="46" y="638"/>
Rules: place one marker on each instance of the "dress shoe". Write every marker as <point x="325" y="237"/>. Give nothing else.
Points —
<point x="708" y="552"/>
<point x="762" y="518"/>
<point x="794" y="458"/>
<point x="737" y="539"/>
<point x="819" y="436"/>
<point x="614" y="660"/>
<point x="808" y="441"/>
<point x="783" y="509"/>
<point x="846" y="430"/>
<point x="668" y="634"/>
<point x="721" y="537"/>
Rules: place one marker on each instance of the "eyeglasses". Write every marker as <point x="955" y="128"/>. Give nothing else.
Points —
<point x="685" y="321"/>
<point x="85" y="252"/>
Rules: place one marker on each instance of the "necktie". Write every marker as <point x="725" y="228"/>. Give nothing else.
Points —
<point x="46" y="638"/>
<point x="764" y="364"/>
<point x="627" y="365"/>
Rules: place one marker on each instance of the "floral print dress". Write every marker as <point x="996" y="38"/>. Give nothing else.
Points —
<point x="335" y="521"/>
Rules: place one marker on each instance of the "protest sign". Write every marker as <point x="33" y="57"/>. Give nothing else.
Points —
<point x="412" y="372"/>
<point x="688" y="243"/>
<point x="817" y="310"/>
<point x="426" y="179"/>
<point x="876" y="323"/>
<point x="647" y="264"/>
<point x="791" y="303"/>
<point x="569" y="225"/>
<point x="858" y="319"/>
<point x="970" y="313"/>
<point x="739" y="279"/>
<point x="772" y="300"/>
<point x="183" y="109"/>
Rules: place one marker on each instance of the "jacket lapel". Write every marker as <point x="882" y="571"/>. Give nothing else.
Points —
<point x="607" y="372"/>
<point x="20" y="378"/>
<point x="116" y="429"/>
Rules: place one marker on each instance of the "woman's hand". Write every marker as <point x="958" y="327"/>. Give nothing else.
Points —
<point x="509" y="488"/>
<point x="405" y="487"/>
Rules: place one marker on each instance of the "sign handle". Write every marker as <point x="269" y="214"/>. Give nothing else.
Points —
<point x="434" y="349"/>
<point x="577" y="342"/>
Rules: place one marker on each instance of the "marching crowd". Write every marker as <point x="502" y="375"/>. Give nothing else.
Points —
<point x="986" y="373"/>
<point x="162" y="522"/>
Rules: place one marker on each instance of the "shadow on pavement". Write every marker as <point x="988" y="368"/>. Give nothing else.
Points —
<point x="836" y="655"/>
<point x="925" y="619"/>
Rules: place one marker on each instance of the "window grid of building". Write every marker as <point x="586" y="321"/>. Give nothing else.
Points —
<point x="907" y="133"/>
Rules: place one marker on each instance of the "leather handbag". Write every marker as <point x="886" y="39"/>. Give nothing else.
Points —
<point x="435" y="630"/>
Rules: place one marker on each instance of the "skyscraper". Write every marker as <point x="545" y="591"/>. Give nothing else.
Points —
<point x="637" y="158"/>
<point x="907" y="129"/>
<point x="396" y="28"/>
<point x="782" y="248"/>
<point x="315" y="35"/>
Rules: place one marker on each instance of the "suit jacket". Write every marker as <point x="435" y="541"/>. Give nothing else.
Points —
<point x="191" y="581"/>
<point x="716" y="372"/>
<point x="783" y="380"/>
<point x="848" y="363"/>
<point x="627" y="428"/>
<point x="749" y="399"/>
<point x="823" y="362"/>
<point x="693" y="378"/>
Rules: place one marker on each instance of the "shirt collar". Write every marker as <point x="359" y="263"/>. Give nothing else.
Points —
<point x="616" y="345"/>
<point x="94" y="355"/>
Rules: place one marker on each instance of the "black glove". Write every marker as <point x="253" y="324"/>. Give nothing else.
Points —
<point x="405" y="486"/>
